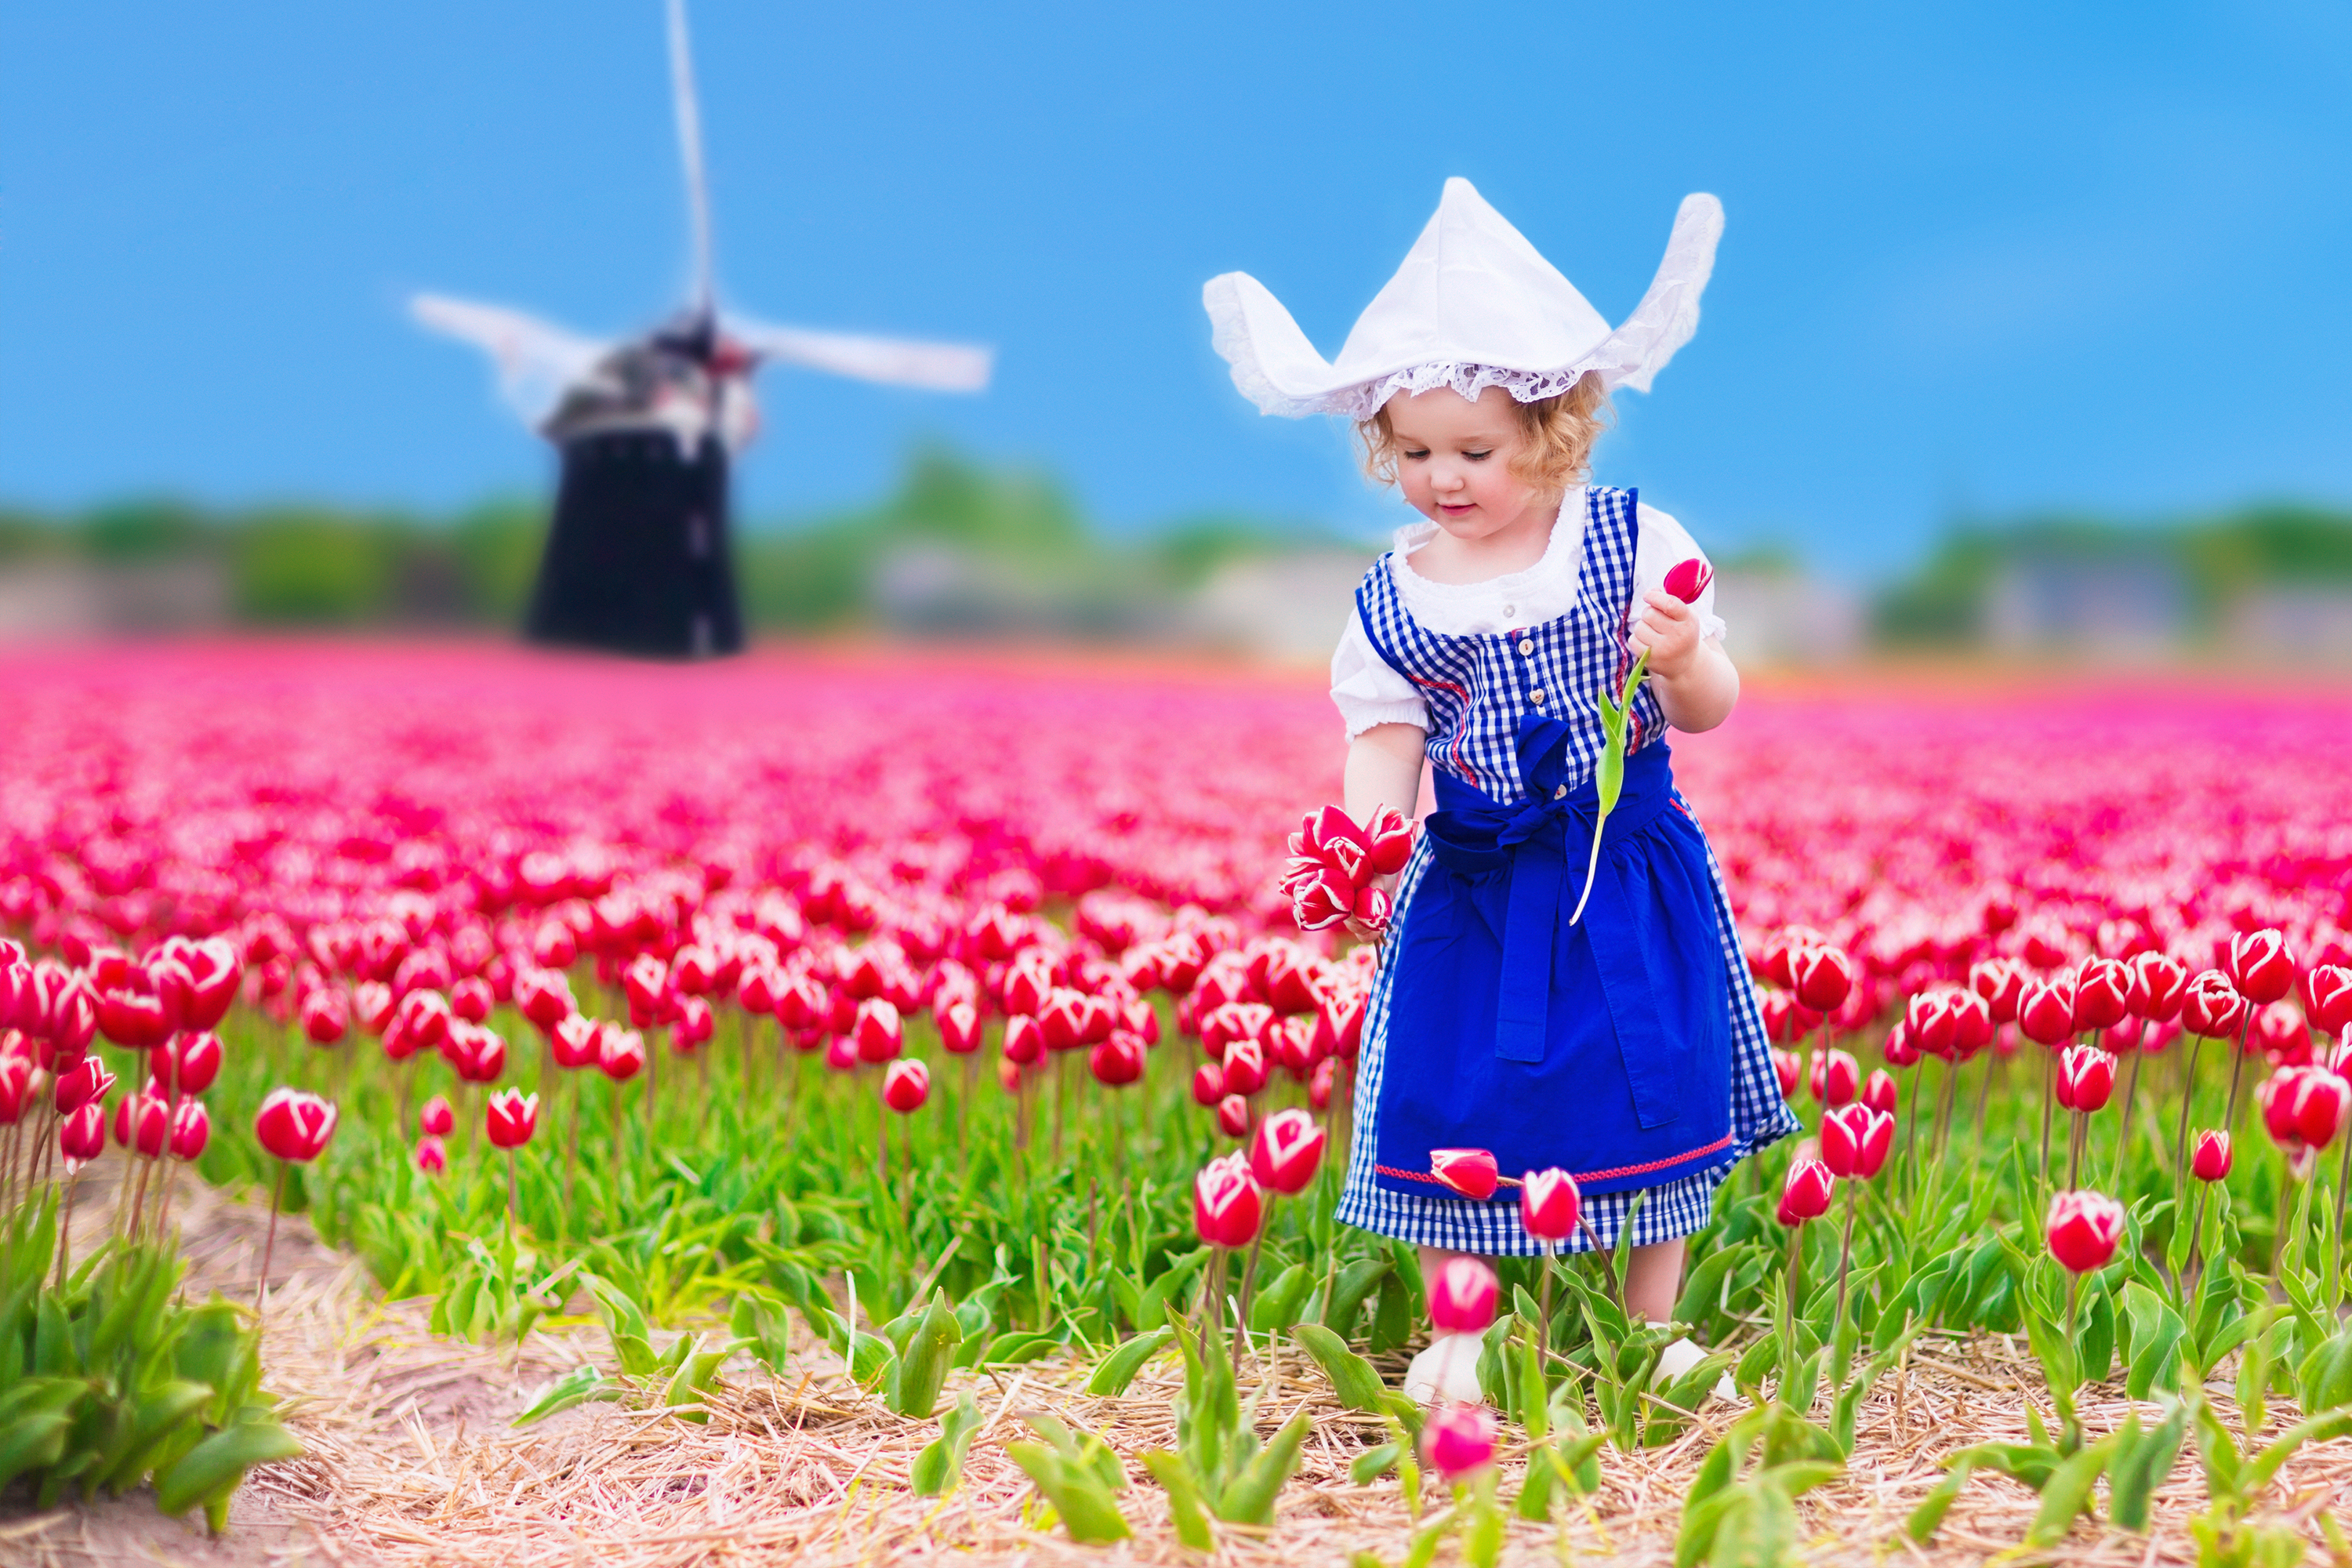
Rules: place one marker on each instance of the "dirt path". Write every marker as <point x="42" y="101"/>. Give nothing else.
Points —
<point x="412" y="1462"/>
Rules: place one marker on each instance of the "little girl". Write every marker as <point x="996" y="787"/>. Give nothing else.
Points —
<point x="1624" y="1044"/>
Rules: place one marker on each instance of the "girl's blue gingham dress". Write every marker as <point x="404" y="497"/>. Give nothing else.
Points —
<point x="1628" y="1050"/>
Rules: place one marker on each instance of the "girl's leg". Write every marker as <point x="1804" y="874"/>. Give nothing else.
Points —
<point x="1654" y="1280"/>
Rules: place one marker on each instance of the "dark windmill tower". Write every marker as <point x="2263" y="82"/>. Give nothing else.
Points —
<point x="637" y="557"/>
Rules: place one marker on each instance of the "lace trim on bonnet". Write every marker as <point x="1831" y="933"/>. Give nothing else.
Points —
<point x="1466" y="381"/>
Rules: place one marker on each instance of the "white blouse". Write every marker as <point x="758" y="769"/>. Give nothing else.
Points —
<point x="1368" y="690"/>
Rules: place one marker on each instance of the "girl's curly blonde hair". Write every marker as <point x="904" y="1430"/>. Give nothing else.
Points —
<point x="1556" y="449"/>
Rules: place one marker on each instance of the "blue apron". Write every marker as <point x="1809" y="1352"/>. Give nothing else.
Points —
<point x="1603" y="1047"/>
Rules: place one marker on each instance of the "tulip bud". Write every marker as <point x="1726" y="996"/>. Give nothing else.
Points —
<point x="2086" y="1078"/>
<point x="621" y="1054"/>
<point x="2083" y="1230"/>
<point x="1836" y="1077"/>
<point x="2212" y="1006"/>
<point x="1024" y="1042"/>
<point x="2046" y="1013"/>
<point x="2304" y="1106"/>
<point x="576" y="1041"/>
<point x="2102" y="994"/>
<point x="472" y="999"/>
<point x="960" y="1028"/>
<point x="2260" y="967"/>
<point x="1458" y="1440"/>
<point x="1790" y="1069"/>
<point x="192" y="1129"/>
<point x="1118" y="1061"/>
<point x="143" y="1123"/>
<point x="1208" y="1084"/>
<point x="2327" y="997"/>
<point x="510" y="1118"/>
<point x="1806" y="1194"/>
<point x="86" y="1083"/>
<point x="1469" y="1171"/>
<point x="17" y="1089"/>
<point x="2211" y="1160"/>
<point x="1822" y="976"/>
<point x="432" y="1156"/>
<point x="906" y="1086"/>
<point x="1879" y="1093"/>
<point x="1550" y="1205"/>
<point x="436" y="1117"/>
<point x="2002" y="984"/>
<point x="1286" y="1150"/>
<point x="1227" y="1206"/>
<point x="293" y="1125"/>
<point x="1686" y="580"/>
<point x="2160" y="983"/>
<point x="1234" y="1115"/>
<point x="1462" y="1296"/>
<point x="1318" y="1086"/>
<point x="1244" y="1067"/>
<point x="81" y="1136"/>
<point x="1856" y="1140"/>
<point x="326" y="1016"/>
<point x="1390" y="837"/>
<point x="187" y="1062"/>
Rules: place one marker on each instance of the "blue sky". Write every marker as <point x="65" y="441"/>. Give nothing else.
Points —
<point x="1979" y="260"/>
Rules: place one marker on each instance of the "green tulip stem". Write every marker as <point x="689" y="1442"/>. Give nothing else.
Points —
<point x="2237" y="1074"/>
<point x="1608" y="1260"/>
<point x="1546" y="1308"/>
<point x="2123" y="1133"/>
<point x="1846" y="1262"/>
<point x="2187" y="1097"/>
<point x="510" y="1189"/>
<point x="1249" y="1281"/>
<point x="2049" y="1101"/>
<point x="2336" y="1242"/>
<point x="269" y="1242"/>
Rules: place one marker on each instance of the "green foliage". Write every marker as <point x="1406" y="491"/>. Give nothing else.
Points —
<point x="1079" y="1476"/>
<point x="112" y="1381"/>
<point x="1219" y="1467"/>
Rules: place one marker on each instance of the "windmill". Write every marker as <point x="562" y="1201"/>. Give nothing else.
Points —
<point x="637" y="558"/>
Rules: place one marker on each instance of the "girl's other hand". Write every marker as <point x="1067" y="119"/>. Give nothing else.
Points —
<point x="1670" y="630"/>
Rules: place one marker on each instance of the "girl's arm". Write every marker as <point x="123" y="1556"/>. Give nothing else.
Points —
<point x="1693" y="677"/>
<point x="1384" y="769"/>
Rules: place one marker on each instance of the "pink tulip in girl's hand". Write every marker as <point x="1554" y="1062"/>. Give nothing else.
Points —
<point x="1686" y="580"/>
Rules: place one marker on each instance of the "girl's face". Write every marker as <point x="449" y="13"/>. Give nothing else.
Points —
<point x="1454" y="463"/>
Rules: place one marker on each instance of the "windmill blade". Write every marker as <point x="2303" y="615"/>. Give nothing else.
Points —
<point x="537" y="359"/>
<point x="941" y="367"/>
<point x="690" y="146"/>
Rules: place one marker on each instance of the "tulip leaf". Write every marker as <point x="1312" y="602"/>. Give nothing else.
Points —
<point x="2067" y="1493"/>
<point x="1116" y="1371"/>
<point x="921" y="1368"/>
<point x="207" y="1472"/>
<point x="581" y="1385"/>
<point x="1249" y="1497"/>
<point x="1077" y="1495"/>
<point x="1924" y="1520"/>
<point x="1350" y="1289"/>
<point x="1186" y="1506"/>
<point x="1353" y="1379"/>
<point x="2142" y="1462"/>
<point x="939" y="1469"/>
<point x="1278" y="1305"/>
<point x="1373" y="1463"/>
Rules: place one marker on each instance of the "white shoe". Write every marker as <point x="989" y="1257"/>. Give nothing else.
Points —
<point x="1679" y="1358"/>
<point x="1447" y="1369"/>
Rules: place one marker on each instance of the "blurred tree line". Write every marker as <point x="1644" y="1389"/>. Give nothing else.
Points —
<point x="2215" y="561"/>
<point x="956" y="544"/>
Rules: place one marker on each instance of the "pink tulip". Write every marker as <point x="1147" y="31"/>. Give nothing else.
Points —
<point x="2260" y="966"/>
<point x="326" y="1016"/>
<point x="142" y="1123"/>
<point x="1118" y="1061"/>
<point x="2046" y="1013"/>
<point x="1469" y="1171"/>
<point x="1856" y="1140"/>
<point x="81" y="1136"/>
<point x="2304" y="1106"/>
<point x="1462" y="1296"/>
<point x="1550" y="1205"/>
<point x="1686" y="580"/>
<point x="2085" y="1229"/>
<point x="621" y="1054"/>
<point x="1208" y="1084"/>
<point x="1227" y="1206"/>
<point x="2211" y="1160"/>
<point x="1458" y="1440"/>
<point x="436" y="1117"/>
<point x="2159" y="983"/>
<point x="510" y="1118"/>
<point x="1234" y="1115"/>
<point x="1286" y="1150"/>
<point x="191" y="1129"/>
<point x="2086" y="1078"/>
<point x="2212" y="1006"/>
<point x="1879" y="1092"/>
<point x="576" y="1041"/>
<point x="1823" y="976"/>
<point x="1805" y="1194"/>
<point x="431" y="1155"/>
<point x="1836" y="1077"/>
<point x="960" y="1028"/>
<point x="293" y="1125"/>
<point x="906" y="1086"/>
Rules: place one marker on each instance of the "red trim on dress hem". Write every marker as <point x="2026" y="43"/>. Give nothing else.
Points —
<point x="1580" y="1176"/>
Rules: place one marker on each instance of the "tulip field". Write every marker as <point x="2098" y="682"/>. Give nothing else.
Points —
<point x="955" y="1057"/>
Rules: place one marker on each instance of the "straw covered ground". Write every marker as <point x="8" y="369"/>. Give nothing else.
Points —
<point x="412" y="1462"/>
